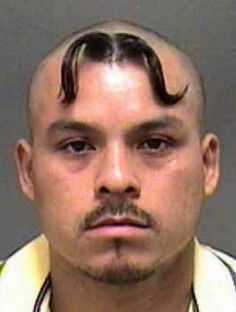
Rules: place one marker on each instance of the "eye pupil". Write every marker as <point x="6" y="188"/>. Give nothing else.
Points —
<point x="154" y="143"/>
<point x="78" y="146"/>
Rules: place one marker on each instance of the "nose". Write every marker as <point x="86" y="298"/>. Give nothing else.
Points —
<point x="116" y="178"/>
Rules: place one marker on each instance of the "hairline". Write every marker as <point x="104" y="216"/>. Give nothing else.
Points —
<point x="153" y="39"/>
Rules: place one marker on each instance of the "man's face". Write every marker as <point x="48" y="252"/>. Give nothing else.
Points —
<point x="117" y="152"/>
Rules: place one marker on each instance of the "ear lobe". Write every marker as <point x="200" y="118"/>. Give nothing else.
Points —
<point x="23" y="158"/>
<point x="211" y="163"/>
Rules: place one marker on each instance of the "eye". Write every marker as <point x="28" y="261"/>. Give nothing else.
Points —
<point x="78" y="147"/>
<point x="154" y="145"/>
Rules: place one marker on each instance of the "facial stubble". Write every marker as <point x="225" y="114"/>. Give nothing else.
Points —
<point x="119" y="270"/>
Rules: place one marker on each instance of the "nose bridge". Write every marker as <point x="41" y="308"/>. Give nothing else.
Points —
<point x="116" y="171"/>
<point x="116" y="161"/>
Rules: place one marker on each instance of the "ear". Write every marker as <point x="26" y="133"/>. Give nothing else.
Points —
<point x="23" y="158"/>
<point x="211" y="163"/>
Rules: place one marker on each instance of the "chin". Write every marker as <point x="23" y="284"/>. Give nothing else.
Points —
<point x="119" y="271"/>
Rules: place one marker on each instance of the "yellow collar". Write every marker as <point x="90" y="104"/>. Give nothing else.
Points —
<point x="26" y="271"/>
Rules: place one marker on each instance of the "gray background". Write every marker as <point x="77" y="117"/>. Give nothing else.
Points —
<point x="204" y="28"/>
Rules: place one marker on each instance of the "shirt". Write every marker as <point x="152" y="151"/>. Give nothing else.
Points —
<point x="25" y="280"/>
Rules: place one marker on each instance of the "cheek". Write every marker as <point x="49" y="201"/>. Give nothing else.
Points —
<point x="175" y="196"/>
<point x="62" y="197"/>
<point x="174" y="199"/>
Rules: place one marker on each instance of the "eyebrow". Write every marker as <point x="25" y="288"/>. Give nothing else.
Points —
<point x="164" y="122"/>
<point x="73" y="126"/>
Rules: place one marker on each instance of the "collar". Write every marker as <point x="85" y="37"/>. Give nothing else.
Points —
<point x="214" y="280"/>
<point x="26" y="272"/>
<point x="23" y="276"/>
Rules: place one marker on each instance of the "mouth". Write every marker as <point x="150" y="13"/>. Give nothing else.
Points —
<point x="119" y="221"/>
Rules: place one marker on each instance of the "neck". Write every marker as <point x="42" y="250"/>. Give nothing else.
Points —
<point x="168" y="290"/>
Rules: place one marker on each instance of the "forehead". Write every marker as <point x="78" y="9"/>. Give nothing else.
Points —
<point x="96" y="79"/>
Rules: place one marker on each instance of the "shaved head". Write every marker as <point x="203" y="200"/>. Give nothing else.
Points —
<point x="171" y="72"/>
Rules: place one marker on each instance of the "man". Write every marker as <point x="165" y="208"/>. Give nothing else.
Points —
<point x="117" y="165"/>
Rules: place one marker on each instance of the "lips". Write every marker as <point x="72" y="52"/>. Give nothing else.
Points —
<point x="119" y="221"/>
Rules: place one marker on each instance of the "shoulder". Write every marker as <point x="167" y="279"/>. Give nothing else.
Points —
<point x="224" y="257"/>
<point x="214" y="279"/>
<point x="23" y="275"/>
<point x="215" y="265"/>
<point x="203" y="250"/>
<point x="33" y="253"/>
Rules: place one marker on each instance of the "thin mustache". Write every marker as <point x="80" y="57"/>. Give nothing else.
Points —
<point x="121" y="209"/>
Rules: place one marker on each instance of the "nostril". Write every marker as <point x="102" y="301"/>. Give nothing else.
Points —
<point x="130" y="190"/>
<point x="104" y="190"/>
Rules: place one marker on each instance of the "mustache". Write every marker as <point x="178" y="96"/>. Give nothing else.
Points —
<point x="123" y="209"/>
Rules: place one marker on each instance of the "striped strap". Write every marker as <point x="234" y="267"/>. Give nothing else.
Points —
<point x="1" y="266"/>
